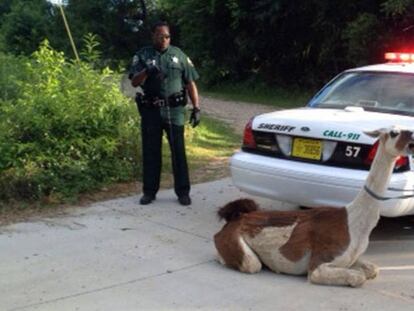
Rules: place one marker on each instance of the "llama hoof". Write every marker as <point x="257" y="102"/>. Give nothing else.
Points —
<point x="356" y="279"/>
<point x="371" y="271"/>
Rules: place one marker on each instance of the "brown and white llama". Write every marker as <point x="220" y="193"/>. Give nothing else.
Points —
<point x="324" y="243"/>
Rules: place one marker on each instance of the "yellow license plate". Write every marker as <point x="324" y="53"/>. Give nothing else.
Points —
<point x="307" y="148"/>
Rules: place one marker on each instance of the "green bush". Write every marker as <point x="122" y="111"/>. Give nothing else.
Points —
<point x="64" y="128"/>
<point x="12" y="72"/>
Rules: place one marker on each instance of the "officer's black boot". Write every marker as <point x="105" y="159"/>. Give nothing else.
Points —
<point x="146" y="199"/>
<point x="184" y="200"/>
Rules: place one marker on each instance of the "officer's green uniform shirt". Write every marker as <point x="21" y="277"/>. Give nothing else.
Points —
<point x="178" y="71"/>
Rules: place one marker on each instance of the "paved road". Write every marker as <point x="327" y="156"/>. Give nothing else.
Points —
<point x="117" y="255"/>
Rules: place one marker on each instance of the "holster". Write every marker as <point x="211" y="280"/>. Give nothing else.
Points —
<point x="139" y="100"/>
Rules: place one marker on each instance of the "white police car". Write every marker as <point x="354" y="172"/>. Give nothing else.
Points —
<point x="318" y="155"/>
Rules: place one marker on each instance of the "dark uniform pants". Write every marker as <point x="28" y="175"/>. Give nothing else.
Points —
<point x="152" y="128"/>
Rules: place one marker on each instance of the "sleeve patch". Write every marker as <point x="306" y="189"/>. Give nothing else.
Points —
<point x="190" y="62"/>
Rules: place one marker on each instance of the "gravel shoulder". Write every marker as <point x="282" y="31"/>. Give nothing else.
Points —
<point x="234" y="113"/>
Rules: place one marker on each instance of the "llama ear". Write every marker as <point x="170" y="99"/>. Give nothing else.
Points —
<point x="375" y="133"/>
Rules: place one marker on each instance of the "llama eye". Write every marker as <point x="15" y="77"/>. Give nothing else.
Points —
<point x="394" y="134"/>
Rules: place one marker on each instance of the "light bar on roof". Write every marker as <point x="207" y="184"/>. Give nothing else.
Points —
<point x="399" y="57"/>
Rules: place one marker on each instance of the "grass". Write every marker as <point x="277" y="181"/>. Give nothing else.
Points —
<point x="261" y="94"/>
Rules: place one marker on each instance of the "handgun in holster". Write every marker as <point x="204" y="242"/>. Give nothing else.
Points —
<point x="139" y="100"/>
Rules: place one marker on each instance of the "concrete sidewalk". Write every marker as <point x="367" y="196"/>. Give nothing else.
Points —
<point x="120" y="256"/>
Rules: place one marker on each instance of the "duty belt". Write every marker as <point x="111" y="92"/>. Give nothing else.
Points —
<point x="158" y="102"/>
<point x="175" y="100"/>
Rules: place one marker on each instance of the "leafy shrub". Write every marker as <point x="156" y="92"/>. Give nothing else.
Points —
<point x="12" y="72"/>
<point x="65" y="129"/>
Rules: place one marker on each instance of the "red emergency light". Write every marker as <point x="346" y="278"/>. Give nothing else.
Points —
<point x="397" y="57"/>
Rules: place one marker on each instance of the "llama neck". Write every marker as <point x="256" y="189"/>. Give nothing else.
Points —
<point x="363" y="211"/>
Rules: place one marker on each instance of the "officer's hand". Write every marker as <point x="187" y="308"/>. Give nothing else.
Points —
<point x="152" y="69"/>
<point x="195" y="117"/>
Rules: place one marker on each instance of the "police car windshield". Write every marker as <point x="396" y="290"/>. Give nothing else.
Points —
<point x="374" y="91"/>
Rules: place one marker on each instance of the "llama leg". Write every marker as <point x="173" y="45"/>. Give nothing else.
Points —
<point x="370" y="270"/>
<point x="250" y="263"/>
<point x="329" y="274"/>
<point x="234" y="252"/>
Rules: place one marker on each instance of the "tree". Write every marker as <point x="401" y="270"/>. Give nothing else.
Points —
<point x="106" y="20"/>
<point x="5" y="6"/>
<point x="287" y="41"/>
<point x="399" y="19"/>
<point x="25" y="23"/>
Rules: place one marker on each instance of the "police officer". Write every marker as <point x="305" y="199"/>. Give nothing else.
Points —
<point x="166" y="75"/>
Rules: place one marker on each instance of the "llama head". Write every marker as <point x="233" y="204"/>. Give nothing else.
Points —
<point x="395" y="140"/>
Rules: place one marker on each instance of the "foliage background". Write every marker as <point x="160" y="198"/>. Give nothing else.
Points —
<point x="276" y="42"/>
<point x="289" y="42"/>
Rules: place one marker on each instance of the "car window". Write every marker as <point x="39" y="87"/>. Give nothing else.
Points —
<point x="377" y="91"/>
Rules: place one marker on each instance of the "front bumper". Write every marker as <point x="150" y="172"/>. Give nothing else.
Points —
<point x="312" y="185"/>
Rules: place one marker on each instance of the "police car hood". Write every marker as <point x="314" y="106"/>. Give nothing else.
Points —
<point x="348" y="124"/>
